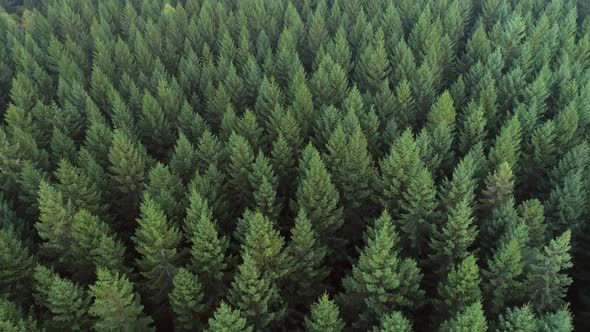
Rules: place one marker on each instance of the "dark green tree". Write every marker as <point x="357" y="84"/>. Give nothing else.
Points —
<point x="470" y="319"/>
<point x="156" y="241"/>
<point x="227" y="319"/>
<point x="317" y="196"/>
<point x="324" y="316"/>
<point x="255" y="295"/>
<point x="116" y="305"/>
<point x="546" y="283"/>
<point x="186" y="300"/>
<point x="394" y="322"/>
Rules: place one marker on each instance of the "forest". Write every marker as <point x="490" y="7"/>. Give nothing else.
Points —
<point x="295" y="165"/>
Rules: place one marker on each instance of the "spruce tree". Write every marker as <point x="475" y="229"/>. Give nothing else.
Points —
<point x="546" y="282"/>
<point x="400" y="166"/>
<point x="265" y="246"/>
<point x="68" y="305"/>
<point x="517" y="319"/>
<point x="166" y="189"/>
<point x="186" y="300"/>
<point x="16" y="264"/>
<point x="157" y="243"/>
<point x="451" y="242"/>
<point x="255" y="295"/>
<point x="470" y="319"/>
<point x="417" y="212"/>
<point x="504" y="275"/>
<point x="318" y="197"/>
<point x="208" y="252"/>
<point x="116" y="305"/>
<point x="324" y="316"/>
<point x="381" y="280"/>
<point x="55" y="223"/>
<point x="241" y="157"/>
<point x="394" y="322"/>
<point x="307" y="257"/>
<point x="460" y="288"/>
<point x="227" y="319"/>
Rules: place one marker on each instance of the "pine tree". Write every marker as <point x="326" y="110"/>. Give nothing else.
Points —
<point x="78" y="188"/>
<point x="167" y="191"/>
<point x="68" y="305"/>
<point x="208" y="250"/>
<point x="86" y="232"/>
<point x="186" y="300"/>
<point x="269" y="97"/>
<point x="352" y="171"/>
<point x="55" y="222"/>
<point x="531" y="213"/>
<point x="241" y="157"/>
<point x="517" y="319"/>
<point x="372" y="68"/>
<point x="264" y="183"/>
<point x="127" y="167"/>
<point x="381" y="280"/>
<point x="317" y="36"/>
<point x="394" y="322"/>
<point x="227" y="319"/>
<point x="328" y="85"/>
<point x="473" y="127"/>
<point x="324" y="316"/>
<point x="417" y="208"/>
<point x="318" y="197"/>
<point x="110" y="254"/>
<point x="503" y="276"/>
<point x="115" y="305"/>
<point x="264" y="245"/>
<point x="255" y="295"/>
<point x="184" y="159"/>
<point x="450" y="244"/>
<point x="566" y="203"/>
<point x="13" y="319"/>
<point x="157" y="243"/>
<point x="499" y="188"/>
<point x="210" y="185"/>
<point x="307" y="257"/>
<point x="400" y="166"/>
<point x="460" y="288"/>
<point x="470" y="319"/>
<point x="506" y="147"/>
<point x="405" y="105"/>
<point x="546" y="283"/>
<point x="16" y="266"/>
<point x="156" y="129"/>
<point x="559" y="321"/>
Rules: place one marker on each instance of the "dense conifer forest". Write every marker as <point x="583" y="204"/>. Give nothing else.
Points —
<point x="295" y="165"/>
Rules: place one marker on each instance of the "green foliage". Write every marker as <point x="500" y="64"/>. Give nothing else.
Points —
<point x="381" y="280"/>
<point x="317" y="195"/>
<point x="334" y="145"/>
<point x="115" y="304"/>
<point x="157" y="243"/>
<point x="16" y="266"/>
<point x="460" y="288"/>
<point x="394" y="322"/>
<point x="255" y="295"/>
<point x="324" y="316"/>
<point x="546" y="282"/>
<point x="470" y="319"/>
<point x="307" y="257"/>
<point x="227" y="319"/>
<point x="186" y="300"/>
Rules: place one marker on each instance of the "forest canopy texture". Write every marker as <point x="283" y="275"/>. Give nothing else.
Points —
<point x="295" y="165"/>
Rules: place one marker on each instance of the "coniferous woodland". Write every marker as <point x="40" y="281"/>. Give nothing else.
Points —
<point x="295" y="165"/>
